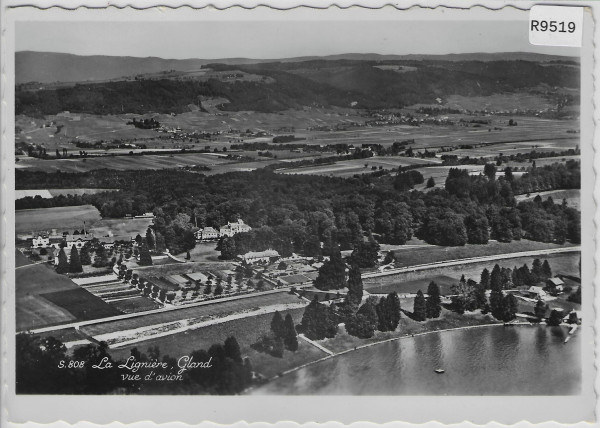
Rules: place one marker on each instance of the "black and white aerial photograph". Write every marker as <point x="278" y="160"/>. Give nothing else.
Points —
<point x="284" y="207"/>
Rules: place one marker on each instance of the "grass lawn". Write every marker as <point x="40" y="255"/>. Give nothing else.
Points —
<point x="444" y="282"/>
<point x="247" y="331"/>
<point x="21" y="259"/>
<point x="81" y="303"/>
<point x="60" y="218"/>
<point x="430" y="254"/>
<point x="215" y="309"/>
<point x="64" y="335"/>
<point x="136" y="304"/>
<point x="205" y="252"/>
<point x="174" y="268"/>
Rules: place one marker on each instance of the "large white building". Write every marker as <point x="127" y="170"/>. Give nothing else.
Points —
<point x="207" y="234"/>
<point x="234" y="228"/>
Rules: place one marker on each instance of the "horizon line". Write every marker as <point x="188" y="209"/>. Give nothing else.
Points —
<point x="302" y="56"/>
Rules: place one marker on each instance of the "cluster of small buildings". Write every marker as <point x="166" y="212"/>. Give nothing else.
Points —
<point x="56" y="240"/>
<point x="230" y="229"/>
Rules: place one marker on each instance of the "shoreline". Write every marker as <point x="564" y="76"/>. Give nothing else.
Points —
<point x="368" y="345"/>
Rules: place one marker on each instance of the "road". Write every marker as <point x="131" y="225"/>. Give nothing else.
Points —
<point x="414" y="268"/>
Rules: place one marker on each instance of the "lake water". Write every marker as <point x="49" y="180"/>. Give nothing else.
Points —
<point x="519" y="360"/>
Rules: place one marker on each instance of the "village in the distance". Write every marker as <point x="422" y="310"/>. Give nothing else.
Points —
<point x="366" y="224"/>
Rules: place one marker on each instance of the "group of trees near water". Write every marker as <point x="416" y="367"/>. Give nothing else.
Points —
<point x="45" y="367"/>
<point x="320" y="321"/>
<point x="312" y="214"/>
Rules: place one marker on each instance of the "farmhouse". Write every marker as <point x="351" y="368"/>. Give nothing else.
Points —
<point x="55" y="240"/>
<point x="234" y="228"/>
<point x="556" y="283"/>
<point x="537" y="292"/>
<point x="207" y="234"/>
<point x="260" y="257"/>
<point x="40" y="241"/>
<point x="78" y="240"/>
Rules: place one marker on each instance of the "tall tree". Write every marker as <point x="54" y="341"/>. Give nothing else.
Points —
<point x="485" y="279"/>
<point x="232" y="349"/>
<point x="490" y="171"/>
<point x="496" y="278"/>
<point x="388" y="312"/>
<point x="369" y="310"/>
<point x="63" y="263"/>
<point x="150" y="238"/>
<point x="420" y="307"/>
<point x="277" y="326"/>
<point x="430" y="182"/>
<point x="433" y="302"/>
<point x="546" y="270"/>
<point x="145" y="258"/>
<point x="360" y="326"/>
<point x="84" y="255"/>
<point x="510" y="307"/>
<point x="74" y="261"/>
<point x="332" y="275"/>
<point x="355" y="287"/>
<point x="540" y="309"/>
<point x="365" y="254"/>
<point x="318" y="321"/>
<point x="290" y="337"/>
<point x="536" y="270"/>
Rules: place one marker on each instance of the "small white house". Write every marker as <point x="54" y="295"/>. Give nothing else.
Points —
<point x="557" y="283"/>
<point x="537" y="292"/>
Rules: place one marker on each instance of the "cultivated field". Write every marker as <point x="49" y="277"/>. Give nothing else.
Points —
<point x="123" y="163"/>
<point x="61" y="218"/>
<point x="348" y="168"/>
<point x="39" y="305"/>
<point x="506" y="102"/>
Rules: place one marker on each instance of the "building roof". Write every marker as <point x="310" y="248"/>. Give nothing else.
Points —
<point x="197" y="276"/>
<point x="536" y="289"/>
<point x="260" y="254"/>
<point x="556" y="281"/>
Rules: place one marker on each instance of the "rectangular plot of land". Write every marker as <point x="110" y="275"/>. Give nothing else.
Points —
<point x="444" y="282"/>
<point x="61" y="218"/>
<point x="81" y="304"/>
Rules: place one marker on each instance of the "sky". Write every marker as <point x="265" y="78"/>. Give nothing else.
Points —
<point x="277" y="39"/>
